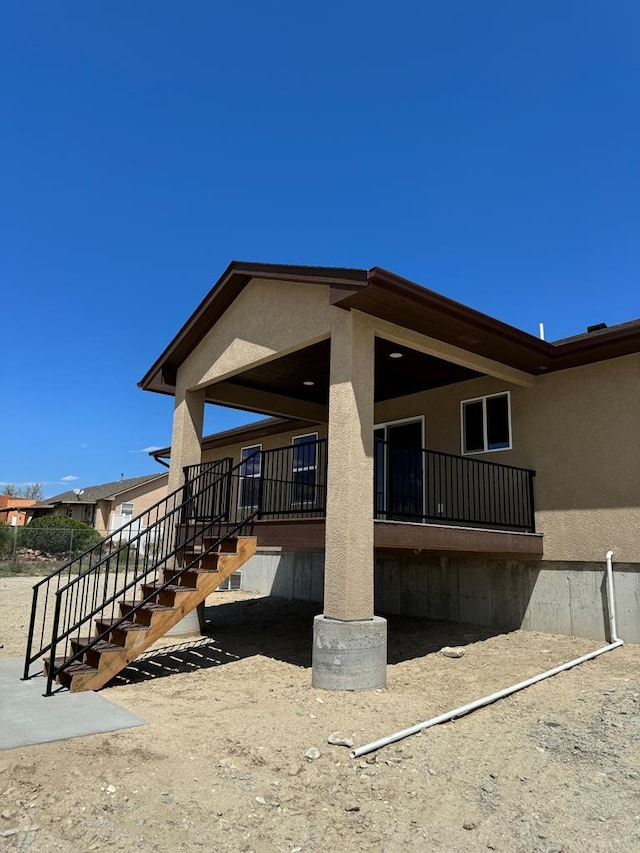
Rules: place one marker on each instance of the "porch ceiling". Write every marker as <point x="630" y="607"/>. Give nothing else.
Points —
<point x="413" y="371"/>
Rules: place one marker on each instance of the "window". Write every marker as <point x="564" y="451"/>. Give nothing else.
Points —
<point x="251" y="457"/>
<point x="305" y="464"/>
<point x="233" y="582"/>
<point x="126" y="511"/>
<point x="486" y="424"/>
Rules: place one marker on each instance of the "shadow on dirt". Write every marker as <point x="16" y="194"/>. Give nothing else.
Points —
<point x="282" y="629"/>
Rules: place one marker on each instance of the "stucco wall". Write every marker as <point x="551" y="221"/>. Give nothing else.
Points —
<point x="578" y="429"/>
<point x="252" y="329"/>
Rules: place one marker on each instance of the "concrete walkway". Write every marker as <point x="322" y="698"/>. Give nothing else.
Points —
<point x="27" y="717"/>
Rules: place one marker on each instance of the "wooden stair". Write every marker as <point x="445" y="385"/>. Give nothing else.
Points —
<point x="124" y="643"/>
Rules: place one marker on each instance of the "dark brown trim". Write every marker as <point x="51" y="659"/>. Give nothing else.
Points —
<point x="310" y="533"/>
<point x="301" y="533"/>
<point x="458" y="540"/>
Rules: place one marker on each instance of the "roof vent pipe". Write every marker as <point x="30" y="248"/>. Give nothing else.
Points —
<point x="541" y="331"/>
<point x="596" y="327"/>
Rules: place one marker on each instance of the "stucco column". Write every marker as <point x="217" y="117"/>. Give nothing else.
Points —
<point x="186" y="438"/>
<point x="349" y="649"/>
<point x="348" y="578"/>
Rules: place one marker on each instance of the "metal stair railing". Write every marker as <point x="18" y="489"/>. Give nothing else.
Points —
<point x="72" y="611"/>
<point x="137" y="547"/>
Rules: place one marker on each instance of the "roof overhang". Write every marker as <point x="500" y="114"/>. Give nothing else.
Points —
<point x="396" y="300"/>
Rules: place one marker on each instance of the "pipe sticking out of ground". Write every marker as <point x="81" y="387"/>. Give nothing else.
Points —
<point x="507" y="691"/>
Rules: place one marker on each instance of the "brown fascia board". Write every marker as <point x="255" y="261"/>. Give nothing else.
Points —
<point x="600" y="345"/>
<point x="248" y="432"/>
<point x="161" y="375"/>
<point x="423" y="310"/>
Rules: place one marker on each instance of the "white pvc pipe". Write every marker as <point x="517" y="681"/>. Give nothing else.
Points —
<point x="507" y="691"/>
<point x="611" y="605"/>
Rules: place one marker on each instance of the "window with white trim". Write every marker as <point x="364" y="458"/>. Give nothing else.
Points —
<point x="126" y="510"/>
<point x="304" y="469"/>
<point x="251" y="458"/>
<point x="486" y="423"/>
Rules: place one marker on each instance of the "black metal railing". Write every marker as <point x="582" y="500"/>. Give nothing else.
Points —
<point x="292" y="482"/>
<point x="88" y="589"/>
<point x="419" y="485"/>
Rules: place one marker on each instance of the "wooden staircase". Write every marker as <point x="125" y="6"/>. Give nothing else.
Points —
<point x="121" y="644"/>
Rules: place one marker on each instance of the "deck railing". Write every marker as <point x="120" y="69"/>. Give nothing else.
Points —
<point x="427" y="486"/>
<point x="410" y="484"/>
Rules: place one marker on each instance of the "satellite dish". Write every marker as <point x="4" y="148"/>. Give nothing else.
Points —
<point x="78" y="492"/>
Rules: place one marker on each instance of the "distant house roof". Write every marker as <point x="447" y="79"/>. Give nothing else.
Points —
<point x="92" y="494"/>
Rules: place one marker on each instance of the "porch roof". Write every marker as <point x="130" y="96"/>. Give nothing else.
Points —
<point x="399" y="301"/>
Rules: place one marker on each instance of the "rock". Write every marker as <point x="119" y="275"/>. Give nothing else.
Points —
<point x="337" y="739"/>
<point x="554" y="724"/>
<point x="452" y="651"/>
<point x="110" y="789"/>
<point x="488" y="788"/>
<point x="554" y="848"/>
<point x="470" y="824"/>
<point x="312" y="753"/>
<point x="261" y="801"/>
<point x="353" y="808"/>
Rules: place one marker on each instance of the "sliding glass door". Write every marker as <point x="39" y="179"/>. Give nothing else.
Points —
<point x="398" y="471"/>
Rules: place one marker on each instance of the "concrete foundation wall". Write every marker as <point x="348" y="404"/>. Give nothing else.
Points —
<point x="552" y="597"/>
<point x="287" y="574"/>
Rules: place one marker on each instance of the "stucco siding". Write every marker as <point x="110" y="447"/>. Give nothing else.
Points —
<point x="578" y="429"/>
<point x="252" y="330"/>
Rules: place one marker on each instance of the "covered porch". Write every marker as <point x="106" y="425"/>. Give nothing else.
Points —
<point x="273" y="342"/>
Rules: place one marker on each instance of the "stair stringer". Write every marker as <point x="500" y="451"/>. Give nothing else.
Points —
<point x="138" y="641"/>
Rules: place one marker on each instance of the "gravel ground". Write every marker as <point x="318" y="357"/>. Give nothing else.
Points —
<point x="221" y="764"/>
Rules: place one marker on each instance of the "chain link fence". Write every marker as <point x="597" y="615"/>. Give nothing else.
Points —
<point x="38" y="551"/>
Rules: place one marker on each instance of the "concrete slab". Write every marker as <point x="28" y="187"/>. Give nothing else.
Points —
<point x="27" y="717"/>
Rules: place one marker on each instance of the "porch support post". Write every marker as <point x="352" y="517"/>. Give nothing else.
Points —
<point x="349" y="648"/>
<point x="186" y="449"/>
<point x="186" y="438"/>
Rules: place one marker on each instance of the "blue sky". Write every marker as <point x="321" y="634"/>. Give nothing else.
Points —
<point x="486" y="150"/>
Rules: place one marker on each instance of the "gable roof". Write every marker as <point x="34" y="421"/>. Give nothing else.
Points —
<point x="92" y="494"/>
<point x="390" y="297"/>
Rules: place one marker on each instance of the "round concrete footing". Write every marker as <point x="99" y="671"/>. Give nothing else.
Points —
<point x="349" y="655"/>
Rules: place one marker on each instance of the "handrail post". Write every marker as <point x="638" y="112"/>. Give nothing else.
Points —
<point x="532" y="510"/>
<point x="32" y="624"/>
<point x="260" y="490"/>
<point x="54" y="643"/>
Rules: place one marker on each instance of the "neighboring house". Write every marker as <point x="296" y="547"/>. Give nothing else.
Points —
<point x="434" y="461"/>
<point x="11" y="510"/>
<point x="106" y="507"/>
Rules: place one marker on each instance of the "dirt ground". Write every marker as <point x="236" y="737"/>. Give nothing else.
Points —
<point x="221" y="764"/>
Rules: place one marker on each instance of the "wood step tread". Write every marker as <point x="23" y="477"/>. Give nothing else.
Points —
<point x="100" y="646"/>
<point x="74" y="668"/>
<point x="126" y="625"/>
<point x="148" y="606"/>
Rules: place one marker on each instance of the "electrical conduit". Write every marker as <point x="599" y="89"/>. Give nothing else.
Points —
<point x="507" y="691"/>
